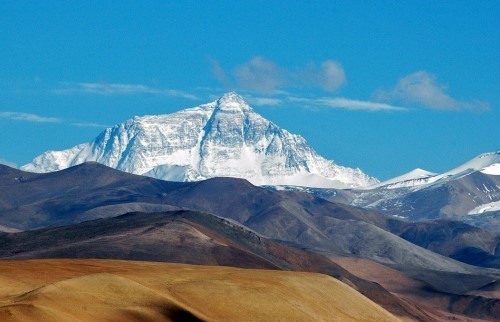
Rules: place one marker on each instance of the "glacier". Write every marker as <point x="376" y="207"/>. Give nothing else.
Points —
<point x="224" y="138"/>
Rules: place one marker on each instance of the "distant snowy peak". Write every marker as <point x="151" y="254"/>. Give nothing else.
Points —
<point x="415" y="175"/>
<point x="487" y="163"/>
<point x="225" y="138"/>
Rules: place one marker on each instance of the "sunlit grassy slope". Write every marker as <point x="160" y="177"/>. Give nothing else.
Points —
<point x="110" y="290"/>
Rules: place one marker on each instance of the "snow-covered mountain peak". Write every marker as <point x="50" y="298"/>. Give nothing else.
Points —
<point x="225" y="138"/>
<point x="232" y="102"/>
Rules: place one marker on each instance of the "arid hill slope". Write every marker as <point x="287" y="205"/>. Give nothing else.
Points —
<point x="107" y="290"/>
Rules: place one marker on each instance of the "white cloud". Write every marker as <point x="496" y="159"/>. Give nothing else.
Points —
<point x="329" y="76"/>
<point x="332" y="75"/>
<point x="8" y="163"/>
<point x="263" y="75"/>
<point x="259" y="74"/>
<point x="119" y="89"/>
<point x="423" y="88"/>
<point x="28" y="117"/>
<point x="346" y="103"/>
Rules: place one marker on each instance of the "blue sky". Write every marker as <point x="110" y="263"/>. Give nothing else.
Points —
<point x="386" y="86"/>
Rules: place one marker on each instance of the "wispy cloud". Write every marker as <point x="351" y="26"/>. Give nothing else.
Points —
<point x="284" y="99"/>
<point x="263" y="75"/>
<point x="351" y="104"/>
<point x="28" y="117"/>
<point x="90" y="124"/>
<point x="264" y="101"/>
<point x="119" y="89"/>
<point x="8" y="163"/>
<point x="423" y="88"/>
<point x="346" y="103"/>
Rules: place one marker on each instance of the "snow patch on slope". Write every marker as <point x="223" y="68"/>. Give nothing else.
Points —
<point x="492" y="206"/>
<point x="493" y="169"/>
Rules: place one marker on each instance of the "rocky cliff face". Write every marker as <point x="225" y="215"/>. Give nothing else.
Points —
<point x="225" y="138"/>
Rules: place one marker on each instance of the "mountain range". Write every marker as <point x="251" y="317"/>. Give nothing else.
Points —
<point x="468" y="193"/>
<point x="91" y="210"/>
<point x="92" y="191"/>
<point x="218" y="184"/>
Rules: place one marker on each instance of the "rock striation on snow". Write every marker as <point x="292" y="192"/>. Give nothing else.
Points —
<point x="225" y="138"/>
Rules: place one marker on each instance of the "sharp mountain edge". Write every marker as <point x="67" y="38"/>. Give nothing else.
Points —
<point x="225" y="138"/>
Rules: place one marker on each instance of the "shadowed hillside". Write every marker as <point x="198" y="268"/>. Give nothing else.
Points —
<point x="254" y="218"/>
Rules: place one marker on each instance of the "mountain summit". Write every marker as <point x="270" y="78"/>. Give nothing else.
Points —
<point x="225" y="138"/>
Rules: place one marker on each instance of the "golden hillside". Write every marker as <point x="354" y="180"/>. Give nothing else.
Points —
<point x="110" y="290"/>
